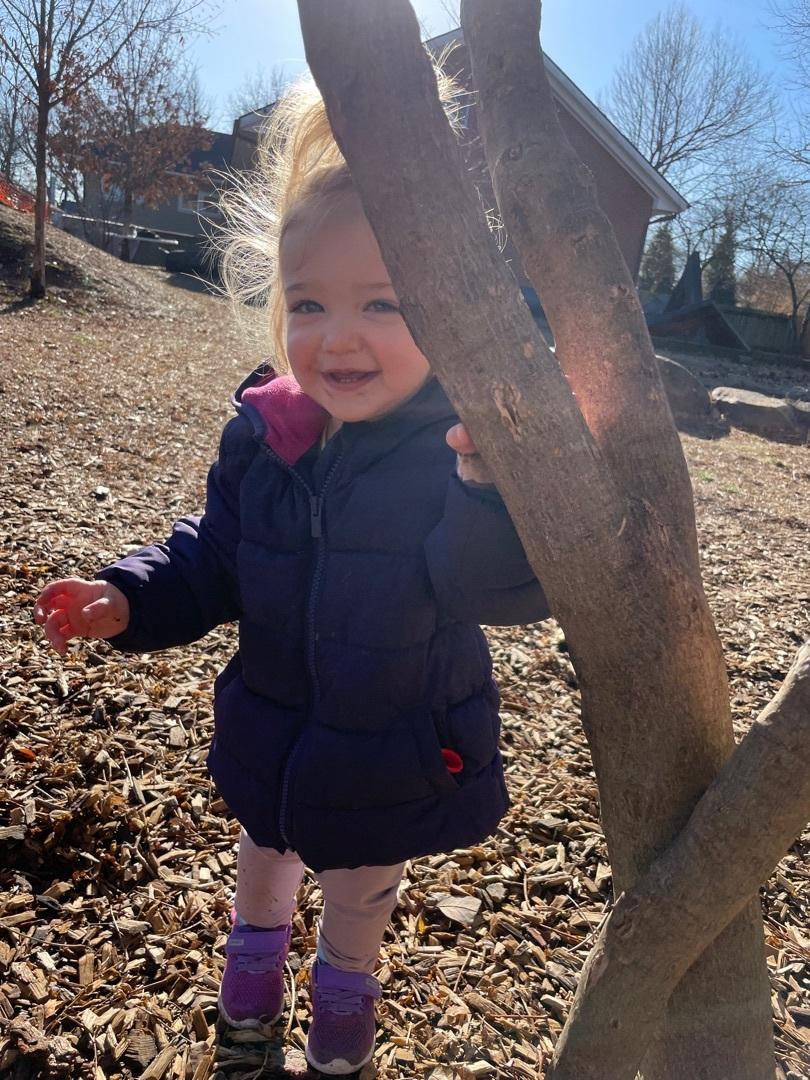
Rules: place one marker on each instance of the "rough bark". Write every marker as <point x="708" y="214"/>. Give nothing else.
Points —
<point x="547" y="198"/>
<point x="615" y="550"/>
<point x="37" y="287"/>
<point x="741" y="827"/>
<point x="722" y="1010"/>
<point x="804" y="337"/>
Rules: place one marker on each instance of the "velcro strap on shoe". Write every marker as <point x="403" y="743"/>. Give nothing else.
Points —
<point x="356" y="982"/>
<point x="258" y="942"/>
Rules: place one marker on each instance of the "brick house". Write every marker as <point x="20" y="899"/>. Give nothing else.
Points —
<point x="629" y="189"/>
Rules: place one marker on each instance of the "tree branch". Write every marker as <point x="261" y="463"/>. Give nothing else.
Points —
<point x="571" y="256"/>
<point x="739" y="830"/>
<point x="14" y="49"/>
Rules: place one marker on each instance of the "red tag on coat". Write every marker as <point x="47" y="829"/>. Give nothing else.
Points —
<point x="452" y="760"/>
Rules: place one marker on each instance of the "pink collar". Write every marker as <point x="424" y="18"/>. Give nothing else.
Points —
<point x="292" y="420"/>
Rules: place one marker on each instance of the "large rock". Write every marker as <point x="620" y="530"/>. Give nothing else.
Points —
<point x="770" y="417"/>
<point x="801" y="410"/>
<point x="689" y="401"/>
<point x="688" y="397"/>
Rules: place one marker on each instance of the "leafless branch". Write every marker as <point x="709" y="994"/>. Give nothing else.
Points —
<point x="683" y="94"/>
<point x="257" y="90"/>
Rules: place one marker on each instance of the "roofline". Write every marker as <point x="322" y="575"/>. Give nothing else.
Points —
<point x="665" y="199"/>
<point x="694" y="309"/>
<point x="256" y="114"/>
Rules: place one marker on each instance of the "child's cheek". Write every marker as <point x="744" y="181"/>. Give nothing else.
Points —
<point x="298" y="345"/>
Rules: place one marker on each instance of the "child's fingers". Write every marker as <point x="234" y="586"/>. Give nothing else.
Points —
<point x="43" y="601"/>
<point x="472" y="470"/>
<point x="58" y="630"/>
<point x="56" y="594"/>
<point x="459" y="440"/>
<point x="57" y="602"/>
<point x="47" y="600"/>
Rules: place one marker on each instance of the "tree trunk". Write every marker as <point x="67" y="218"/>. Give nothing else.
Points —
<point x="126" y="222"/>
<point x="603" y="507"/>
<point x="8" y="159"/>
<point x="721" y="1011"/>
<point x="795" y="317"/>
<point x="804" y="336"/>
<point x="745" y="821"/>
<point x="37" y="288"/>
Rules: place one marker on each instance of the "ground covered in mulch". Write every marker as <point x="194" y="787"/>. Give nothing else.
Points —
<point x="117" y="859"/>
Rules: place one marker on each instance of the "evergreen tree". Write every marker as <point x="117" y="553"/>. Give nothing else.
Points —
<point x="721" y="281"/>
<point x="658" y="268"/>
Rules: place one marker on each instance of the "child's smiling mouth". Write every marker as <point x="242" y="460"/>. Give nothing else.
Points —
<point x="348" y="379"/>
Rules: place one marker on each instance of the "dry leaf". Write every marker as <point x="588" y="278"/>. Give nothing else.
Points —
<point x="460" y="909"/>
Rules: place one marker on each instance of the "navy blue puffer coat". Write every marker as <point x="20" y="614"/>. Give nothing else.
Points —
<point x="359" y="575"/>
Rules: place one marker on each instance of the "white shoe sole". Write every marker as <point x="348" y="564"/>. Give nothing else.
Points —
<point x="249" y="1024"/>
<point x="337" y="1066"/>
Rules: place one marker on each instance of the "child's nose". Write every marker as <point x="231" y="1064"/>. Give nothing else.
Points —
<point x="340" y="336"/>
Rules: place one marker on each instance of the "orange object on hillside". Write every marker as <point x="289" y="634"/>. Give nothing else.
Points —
<point x="16" y="197"/>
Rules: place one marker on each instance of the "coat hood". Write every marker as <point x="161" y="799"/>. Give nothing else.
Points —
<point x="290" y="422"/>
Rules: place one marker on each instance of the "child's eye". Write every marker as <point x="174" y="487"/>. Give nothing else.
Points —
<point x="305" y="307"/>
<point x="383" y="306"/>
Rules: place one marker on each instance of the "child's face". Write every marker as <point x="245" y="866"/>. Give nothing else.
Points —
<point x="348" y="345"/>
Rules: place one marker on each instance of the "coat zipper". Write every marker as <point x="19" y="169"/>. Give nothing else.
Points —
<point x="316" y="532"/>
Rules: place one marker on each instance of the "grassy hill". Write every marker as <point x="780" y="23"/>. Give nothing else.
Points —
<point x="77" y="271"/>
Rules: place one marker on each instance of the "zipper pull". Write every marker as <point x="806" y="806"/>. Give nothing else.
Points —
<point x="315" y="516"/>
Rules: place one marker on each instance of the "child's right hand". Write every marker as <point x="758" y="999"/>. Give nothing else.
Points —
<point x="74" y="608"/>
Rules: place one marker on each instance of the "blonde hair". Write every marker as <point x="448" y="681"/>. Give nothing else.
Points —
<point x="299" y="173"/>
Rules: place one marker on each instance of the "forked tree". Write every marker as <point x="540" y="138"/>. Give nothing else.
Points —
<point x="584" y="450"/>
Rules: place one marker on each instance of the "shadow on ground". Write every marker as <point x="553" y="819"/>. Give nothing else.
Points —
<point x="190" y="282"/>
<point x="263" y="1053"/>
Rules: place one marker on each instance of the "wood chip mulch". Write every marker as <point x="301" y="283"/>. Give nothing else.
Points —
<point x="117" y="857"/>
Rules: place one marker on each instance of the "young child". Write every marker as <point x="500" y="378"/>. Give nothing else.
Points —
<point x="357" y="725"/>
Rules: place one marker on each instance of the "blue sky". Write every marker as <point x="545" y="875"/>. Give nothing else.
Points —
<point x="585" y="37"/>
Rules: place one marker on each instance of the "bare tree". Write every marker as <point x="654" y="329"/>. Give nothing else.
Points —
<point x="771" y="216"/>
<point x="258" y="89"/>
<point x="778" y="236"/>
<point x="699" y="227"/>
<point x="684" y="96"/>
<point x="129" y="137"/>
<point x="15" y="125"/>
<point x="59" y="47"/>
<point x="793" y="20"/>
<point x="763" y="287"/>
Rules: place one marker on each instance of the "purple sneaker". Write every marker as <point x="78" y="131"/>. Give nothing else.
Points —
<point x="252" y="989"/>
<point x="341" y="1035"/>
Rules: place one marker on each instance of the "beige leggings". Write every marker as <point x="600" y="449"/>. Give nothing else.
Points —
<point x="357" y="904"/>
